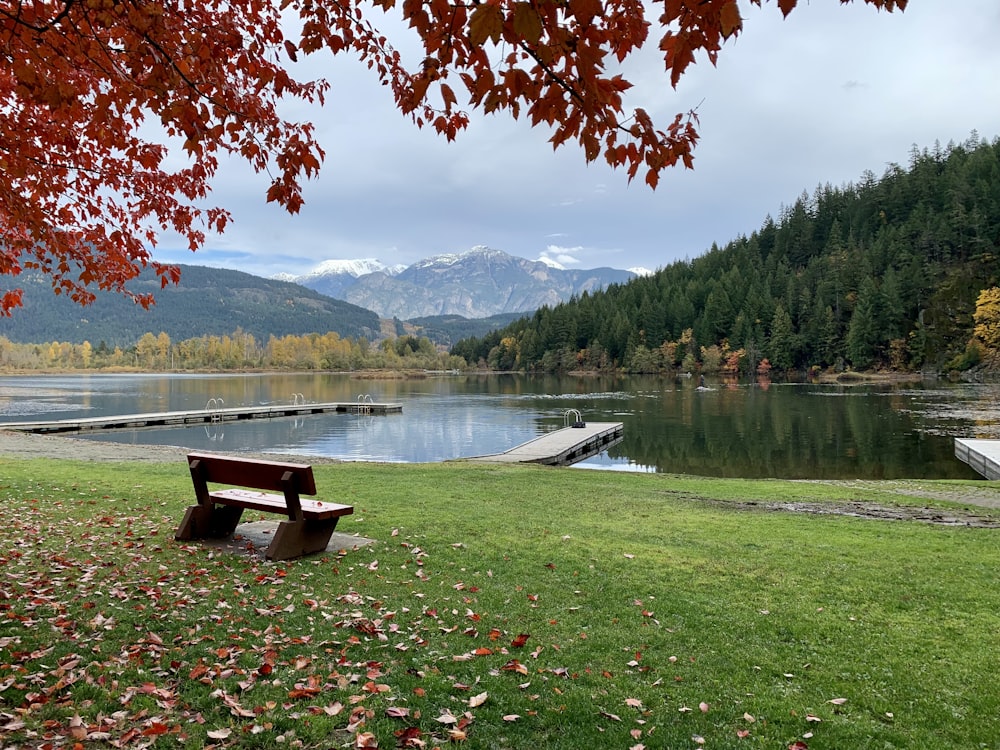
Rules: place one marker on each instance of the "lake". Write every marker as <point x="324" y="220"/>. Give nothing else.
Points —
<point x="803" y="431"/>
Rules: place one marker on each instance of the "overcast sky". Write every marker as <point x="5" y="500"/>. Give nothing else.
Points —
<point x="817" y="98"/>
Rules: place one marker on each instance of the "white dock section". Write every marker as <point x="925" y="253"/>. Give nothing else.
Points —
<point x="982" y="455"/>
<point x="562" y="447"/>
<point x="198" y="416"/>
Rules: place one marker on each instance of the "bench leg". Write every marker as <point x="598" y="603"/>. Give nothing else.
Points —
<point x="215" y="521"/>
<point x="297" y="538"/>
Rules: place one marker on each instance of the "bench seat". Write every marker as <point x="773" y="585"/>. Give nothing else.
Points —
<point x="268" y="502"/>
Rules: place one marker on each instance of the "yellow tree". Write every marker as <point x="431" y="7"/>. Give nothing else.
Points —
<point x="987" y="319"/>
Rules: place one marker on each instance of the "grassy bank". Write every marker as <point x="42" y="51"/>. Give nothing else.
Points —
<point x="509" y="607"/>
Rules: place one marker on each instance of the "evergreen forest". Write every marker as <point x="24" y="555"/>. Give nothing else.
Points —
<point x="879" y="274"/>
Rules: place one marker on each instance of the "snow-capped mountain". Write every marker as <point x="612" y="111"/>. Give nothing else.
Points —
<point x="334" y="277"/>
<point x="476" y="284"/>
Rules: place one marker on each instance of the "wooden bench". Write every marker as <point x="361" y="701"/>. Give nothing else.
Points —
<point x="310" y="522"/>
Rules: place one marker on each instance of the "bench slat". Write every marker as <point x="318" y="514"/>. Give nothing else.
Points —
<point x="264" y="501"/>
<point x="250" y="472"/>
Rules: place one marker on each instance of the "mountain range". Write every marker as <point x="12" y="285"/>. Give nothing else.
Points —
<point x="446" y="298"/>
<point x="480" y="283"/>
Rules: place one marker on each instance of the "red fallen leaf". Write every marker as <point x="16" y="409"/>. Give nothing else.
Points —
<point x="798" y="745"/>
<point x="742" y="733"/>
<point x="365" y="739"/>
<point x="483" y="651"/>
<point x="520" y="640"/>
<point x="532" y="597"/>
<point x="129" y="736"/>
<point x="397" y="712"/>
<point x="495" y="634"/>
<point x="264" y="670"/>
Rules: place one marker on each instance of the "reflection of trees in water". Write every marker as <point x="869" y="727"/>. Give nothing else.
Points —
<point x="748" y="433"/>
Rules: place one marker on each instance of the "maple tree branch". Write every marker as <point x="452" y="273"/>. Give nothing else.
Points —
<point x="18" y="18"/>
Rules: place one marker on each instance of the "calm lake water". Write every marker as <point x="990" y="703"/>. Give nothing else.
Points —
<point x="783" y="430"/>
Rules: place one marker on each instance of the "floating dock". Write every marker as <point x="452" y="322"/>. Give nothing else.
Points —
<point x="199" y="416"/>
<point x="982" y="455"/>
<point x="562" y="447"/>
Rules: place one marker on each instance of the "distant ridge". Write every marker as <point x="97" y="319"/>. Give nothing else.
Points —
<point x="207" y="301"/>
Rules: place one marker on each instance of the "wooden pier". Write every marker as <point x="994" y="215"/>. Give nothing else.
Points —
<point x="982" y="455"/>
<point x="562" y="447"/>
<point x="199" y="416"/>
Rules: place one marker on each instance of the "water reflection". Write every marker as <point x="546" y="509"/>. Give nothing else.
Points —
<point x="728" y="429"/>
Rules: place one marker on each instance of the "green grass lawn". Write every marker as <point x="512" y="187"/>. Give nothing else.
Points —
<point x="499" y="607"/>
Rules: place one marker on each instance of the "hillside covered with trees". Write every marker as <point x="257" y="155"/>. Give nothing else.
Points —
<point x="882" y="273"/>
<point x="205" y="301"/>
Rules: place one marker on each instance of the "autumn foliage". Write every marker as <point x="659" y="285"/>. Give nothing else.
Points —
<point x="116" y="112"/>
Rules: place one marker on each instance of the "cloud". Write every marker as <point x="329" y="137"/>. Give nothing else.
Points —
<point x="561" y="256"/>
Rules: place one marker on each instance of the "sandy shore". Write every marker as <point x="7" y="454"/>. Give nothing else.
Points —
<point x="26" y="445"/>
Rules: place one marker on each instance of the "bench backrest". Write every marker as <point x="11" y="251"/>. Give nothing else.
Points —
<point x="248" y="472"/>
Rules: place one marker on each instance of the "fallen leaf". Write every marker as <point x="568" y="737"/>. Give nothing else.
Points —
<point x="478" y="700"/>
<point x="511" y="717"/>
<point x="220" y="734"/>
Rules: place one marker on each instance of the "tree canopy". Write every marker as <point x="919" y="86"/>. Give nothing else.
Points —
<point x="100" y="96"/>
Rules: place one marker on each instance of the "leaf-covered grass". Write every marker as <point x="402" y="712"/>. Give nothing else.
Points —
<point x="502" y="607"/>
